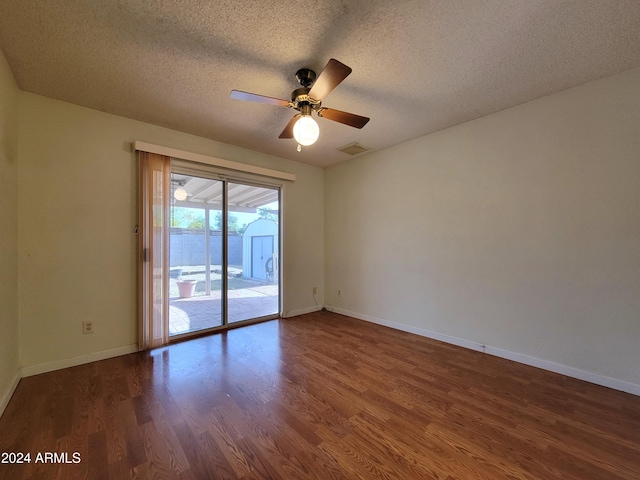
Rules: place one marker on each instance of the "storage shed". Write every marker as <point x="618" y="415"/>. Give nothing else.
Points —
<point x="260" y="250"/>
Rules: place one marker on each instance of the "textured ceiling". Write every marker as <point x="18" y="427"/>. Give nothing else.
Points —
<point x="418" y="66"/>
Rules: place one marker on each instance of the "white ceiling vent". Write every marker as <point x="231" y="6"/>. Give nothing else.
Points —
<point x="353" y="149"/>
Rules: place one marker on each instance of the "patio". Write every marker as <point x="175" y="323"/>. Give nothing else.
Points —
<point x="247" y="299"/>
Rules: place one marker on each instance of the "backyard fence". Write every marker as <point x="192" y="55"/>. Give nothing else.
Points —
<point x="187" y="247"/>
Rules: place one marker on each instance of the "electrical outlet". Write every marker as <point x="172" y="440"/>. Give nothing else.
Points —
<point x="315" y="290"/>
<point x="87" y="327"/>
<point x="339" y="292"/>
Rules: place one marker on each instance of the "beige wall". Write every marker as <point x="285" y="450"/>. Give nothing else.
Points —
<point x="78" y="207"/>
<point x="9" y="365"/>
<point x="519" y="231"/>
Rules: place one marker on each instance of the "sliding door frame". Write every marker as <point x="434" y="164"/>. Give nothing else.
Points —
<point x="210" y="172"/>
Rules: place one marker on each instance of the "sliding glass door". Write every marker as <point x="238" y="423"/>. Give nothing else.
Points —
<point x="253" y="221"/>
<point x="223" y="253"/>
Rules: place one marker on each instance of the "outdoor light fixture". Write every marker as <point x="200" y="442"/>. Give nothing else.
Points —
<point x="180" y="194"/>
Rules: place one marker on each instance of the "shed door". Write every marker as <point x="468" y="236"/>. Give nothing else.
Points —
<point x="261" y="251"/>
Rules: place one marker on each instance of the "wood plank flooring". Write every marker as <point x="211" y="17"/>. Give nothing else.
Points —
<point x="320" y="396"/>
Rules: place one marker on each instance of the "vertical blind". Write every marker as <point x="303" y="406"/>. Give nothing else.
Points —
<point x="155" y="171"/>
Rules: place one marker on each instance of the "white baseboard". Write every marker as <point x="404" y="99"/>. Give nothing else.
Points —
<point x="301" y="311"/>
<point x="7" y="394"/>
<point x="79" y="360"/>
<point x="587" y="376"/>
<point x="573" y="372"/>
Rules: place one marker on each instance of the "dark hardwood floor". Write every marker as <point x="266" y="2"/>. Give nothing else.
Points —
<point x="320" y="396"/>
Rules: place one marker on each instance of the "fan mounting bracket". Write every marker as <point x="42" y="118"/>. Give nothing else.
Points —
<point x="306" y="77"/>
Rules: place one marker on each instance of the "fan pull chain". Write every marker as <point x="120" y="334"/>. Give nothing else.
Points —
<point x="299" y="148"/>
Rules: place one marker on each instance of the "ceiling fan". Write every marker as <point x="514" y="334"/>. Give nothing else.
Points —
<point x="308" y="99"/>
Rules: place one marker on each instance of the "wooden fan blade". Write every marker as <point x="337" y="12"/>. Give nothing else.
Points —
<point x="252" y="97"/>
<point x="343" y="117"/>
<point x="332" y="75"/>
<point x="288" y="130"/>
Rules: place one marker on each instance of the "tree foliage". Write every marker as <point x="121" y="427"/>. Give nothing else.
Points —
<point x="233" y="224"/>
<point x="187" y="218"/>
<point x="268" y="214"/>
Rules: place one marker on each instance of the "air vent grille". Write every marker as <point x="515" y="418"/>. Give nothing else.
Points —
<point x="353" y="149"/>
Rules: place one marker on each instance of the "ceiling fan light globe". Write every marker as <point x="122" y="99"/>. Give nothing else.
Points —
<point x="306" y="131"/>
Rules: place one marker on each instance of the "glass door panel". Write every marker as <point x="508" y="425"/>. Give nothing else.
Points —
<point x="253" y="219"/>
<point x="223" y="253"/>
<point x="195" y="254"/>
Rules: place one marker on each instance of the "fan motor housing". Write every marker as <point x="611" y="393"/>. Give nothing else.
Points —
<point x="300" y="97"/>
